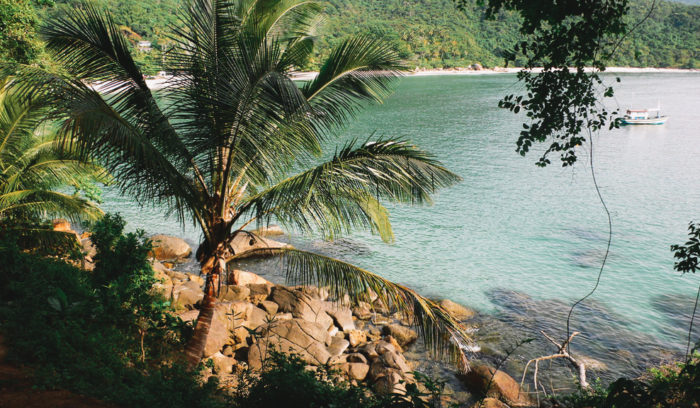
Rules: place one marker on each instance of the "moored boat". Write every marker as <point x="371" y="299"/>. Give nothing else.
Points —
<point x="644" y="117"/>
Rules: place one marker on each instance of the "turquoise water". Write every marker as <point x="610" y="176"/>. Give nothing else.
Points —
<point x="511" y="227"/>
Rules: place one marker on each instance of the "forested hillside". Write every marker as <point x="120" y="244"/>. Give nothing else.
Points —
<point x="429" y="33"/>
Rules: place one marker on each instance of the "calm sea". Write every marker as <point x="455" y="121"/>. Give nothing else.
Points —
<point x="520" y="242"/>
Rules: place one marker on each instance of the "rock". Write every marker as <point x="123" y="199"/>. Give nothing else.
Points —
<point x="502" y="386"/>
<point x="307" y="339"/>
<point x="357" y="337"/>
<point x="196" y="279"/>
<point x="259" y="291"/>
<point x="245" y="278"/>
<point x="189" y="316"/>
<point x="362" y="311"/>
<point x="395" y="360"/>
<point x="256" y="317"/>
<point x="342" y="317"/>
<point x="246" y="246"/>
<point x="333" y="331"/>
<point x="476" y="67"/>
<point x="269" y="306"/>
<point x="177" y="275"/>
<point x="222" y="363"/>
<point x="490" y="403"/>
<point x="185" y="297"/>
<point x="337" y="346"/>
<point x="233" y="292"/>
<point x="88" y="248"/>
<point x="592" y="364"/>
<point x="228" y="351"/>
<point x="383" y="346"/>
<point x="62" y="225"/>
<point x="301" y="305"/>
<point x="356" y="358"/>
<point x="223" y="322"/>
<point x="385" y="380"/>
<point x="391" y="340"/>
<point x="164" y="287"/>
<point x="168" y="248"/>
<point x="269" y="231"/>
<point x="370" y="351"/>
<point x="456" y="310"/>
<point x="354" y="371"/>
<point x="403" y="335"/>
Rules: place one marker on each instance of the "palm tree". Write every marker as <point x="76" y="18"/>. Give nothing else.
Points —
<point x="33" y="168"/>
<point x="227" y="148"/>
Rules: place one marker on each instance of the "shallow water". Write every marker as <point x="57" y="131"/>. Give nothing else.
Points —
<point x="522" y="242"/>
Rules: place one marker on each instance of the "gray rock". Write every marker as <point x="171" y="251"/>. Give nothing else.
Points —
<point x="307" y="339"/>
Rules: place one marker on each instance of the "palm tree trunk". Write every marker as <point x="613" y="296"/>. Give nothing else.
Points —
<point x="212" y="269"/>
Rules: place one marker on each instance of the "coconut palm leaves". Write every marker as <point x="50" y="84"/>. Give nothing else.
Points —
<point x="33" y="169"/>
<point x="225" y="146"/>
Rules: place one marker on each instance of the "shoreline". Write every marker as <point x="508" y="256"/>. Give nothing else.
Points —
<point x="161" y="82"/>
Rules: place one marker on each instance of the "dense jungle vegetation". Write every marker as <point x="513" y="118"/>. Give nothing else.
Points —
<point x="427" y="33"/>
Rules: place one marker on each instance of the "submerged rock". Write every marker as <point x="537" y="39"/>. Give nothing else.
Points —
<point x="456" y="310"/>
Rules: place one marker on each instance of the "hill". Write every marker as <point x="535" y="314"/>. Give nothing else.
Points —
<point x="432" y="33"/>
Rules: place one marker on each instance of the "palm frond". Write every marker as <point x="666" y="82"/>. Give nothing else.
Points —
<point x="445" y="337"/>
<point x="359" y="70"/>
<point x="344" y="192"/>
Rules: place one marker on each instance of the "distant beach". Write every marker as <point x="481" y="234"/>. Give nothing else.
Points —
<point x="161" y="82"/>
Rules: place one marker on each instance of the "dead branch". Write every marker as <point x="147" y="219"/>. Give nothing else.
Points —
<point x="562" y="352"/>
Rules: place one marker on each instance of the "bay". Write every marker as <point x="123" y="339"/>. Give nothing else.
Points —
<point x="512" y="236"/>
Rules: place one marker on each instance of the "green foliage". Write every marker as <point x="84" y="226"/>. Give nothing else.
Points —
<point x="428" y="33"/>
<point x="287" y="382"/>
<point x="35" y="170"/>
<point x="674" y="385"/>
<point x="103" y="334"/>
<point x="18" y="38"/>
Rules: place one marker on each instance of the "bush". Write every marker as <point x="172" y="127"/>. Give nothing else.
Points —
<point x="104" y="334"/>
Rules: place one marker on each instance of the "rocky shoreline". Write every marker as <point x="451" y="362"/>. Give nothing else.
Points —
<point x="366" y="342"/>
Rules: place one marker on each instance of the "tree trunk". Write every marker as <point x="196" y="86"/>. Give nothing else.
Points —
<point x="212" y="268"/>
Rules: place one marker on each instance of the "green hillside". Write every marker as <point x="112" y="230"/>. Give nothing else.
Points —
<point x="432" y="33"/>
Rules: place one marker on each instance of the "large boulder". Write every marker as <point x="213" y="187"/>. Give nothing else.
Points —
<point x="245" y="278"/>
<point x="354" y="371"/>
<point x="246" y="246"/>
<point x="185" y="297"/>
<point x="297" y="336"/>
<point x="485" y="380"/>
<point x="456" y="310"/>
<point x="169" y="248"/>
<point x="301" y="305"/>
<point x="403" y="335"/>
<point x="227" y="316"/>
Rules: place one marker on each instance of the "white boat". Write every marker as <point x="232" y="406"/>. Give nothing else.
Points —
<point x="644" y="117"/>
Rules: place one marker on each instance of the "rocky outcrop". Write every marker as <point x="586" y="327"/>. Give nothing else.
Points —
<point x="168" y="248"/>
<point x="403" y="335"/>
<point x="485" y="380"/>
